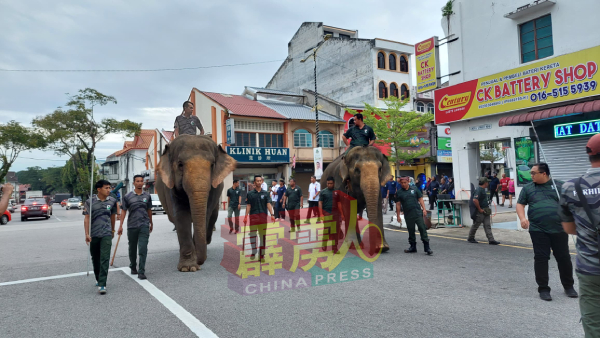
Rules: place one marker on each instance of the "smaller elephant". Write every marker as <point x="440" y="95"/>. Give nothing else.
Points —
<point x="189" y="185"/>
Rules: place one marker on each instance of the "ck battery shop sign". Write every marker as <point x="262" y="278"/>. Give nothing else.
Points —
<point x="559" y="79"/>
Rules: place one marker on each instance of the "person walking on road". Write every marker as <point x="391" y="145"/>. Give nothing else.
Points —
<point x="391" y="186"/>
<point x="504" y="189"/>
<point x="433" y="189"/>
<point x="234" y="200"/>
<point x="258" y="201"/>
<point x="186" y="123"/>
<point x="279" y="209"/>
<point x="139" y="225"/>
<point x="546" y="230"/>
<point x="483" y="213"/>
<point x="580" y="215"/>
<point x="329" y="205"/>
<point x="273" y="190"/>
<point x="411" y="200"/>
<point x="99" y="237"/>
<point x="494" y="187"/>
<point x="511" y="192"/>
<point x="361" y="134"/>
<point x="293" y="201"/>
<point x="314" y="189"/>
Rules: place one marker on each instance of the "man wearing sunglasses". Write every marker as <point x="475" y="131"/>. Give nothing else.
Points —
<point x="546" y="231"/>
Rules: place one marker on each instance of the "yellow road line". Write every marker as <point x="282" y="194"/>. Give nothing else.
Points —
<point x="462" y="239"/>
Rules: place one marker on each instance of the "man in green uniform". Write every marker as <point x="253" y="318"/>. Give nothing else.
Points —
<point x="329" y="204"/>
<point x="411" y="200"/>
<point x="483" y="215"/>
<point x="139" y="224"/>
<point x="361" y="134"/>
<point x="258" y="202"/>
<point x="546" y="230"/>
<point x="103" y="209"/>
<point x="235" y="203"/>
<point x="293" y="200"/>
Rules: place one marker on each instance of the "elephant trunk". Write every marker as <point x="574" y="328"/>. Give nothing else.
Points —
<point x="198" y="188"/>
<point x="370" y="186"/>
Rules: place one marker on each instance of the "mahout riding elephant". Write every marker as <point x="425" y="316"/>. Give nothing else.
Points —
<point x="189" y="185"/>
<point x="360" y="174"/>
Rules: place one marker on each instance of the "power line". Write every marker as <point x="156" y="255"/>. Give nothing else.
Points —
<point x="138" y="70"/>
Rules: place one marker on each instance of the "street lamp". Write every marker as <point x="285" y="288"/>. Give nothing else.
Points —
<point x="314" y="55"/>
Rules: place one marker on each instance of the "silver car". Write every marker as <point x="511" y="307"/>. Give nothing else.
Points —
<point x="73" y="203"/>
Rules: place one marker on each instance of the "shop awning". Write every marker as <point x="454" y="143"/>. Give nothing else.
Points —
<point x="578" y="108"/>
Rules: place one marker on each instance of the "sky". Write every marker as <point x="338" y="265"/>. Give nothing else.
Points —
<point x="134" y="35"/>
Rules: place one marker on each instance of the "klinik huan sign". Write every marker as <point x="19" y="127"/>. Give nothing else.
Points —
<point x="559" y="79"/>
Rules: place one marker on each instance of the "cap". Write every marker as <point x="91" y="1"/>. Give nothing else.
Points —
<point x="593" y="145"/>
<point x="483" y="180"/>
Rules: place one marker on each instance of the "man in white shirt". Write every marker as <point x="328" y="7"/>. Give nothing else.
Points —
<point x="274" y="188"/>
<point x="313" y="197"/>
<point x="264" y="187"/>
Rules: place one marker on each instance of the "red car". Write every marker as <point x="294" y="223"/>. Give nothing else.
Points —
<point x="63" y="203"/>
<point x="6" y="217"/>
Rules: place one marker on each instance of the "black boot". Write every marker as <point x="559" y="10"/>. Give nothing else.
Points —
<point x="413" y="248"/>
<point x="427" y="248"/>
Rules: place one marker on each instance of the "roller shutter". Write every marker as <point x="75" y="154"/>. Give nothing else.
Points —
<point x="566" y="157"/>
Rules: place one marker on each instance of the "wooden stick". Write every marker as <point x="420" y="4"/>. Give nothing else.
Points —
<point x="115" y="253"/>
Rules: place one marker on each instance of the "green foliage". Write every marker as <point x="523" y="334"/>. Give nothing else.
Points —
<point x="490" y="154"/>
<point x="48" y="180"/>
<point x="447" y="10"/>
<point x="14" y="138"/>
<point x="396" y="127"/>
<point x="76" y="178"/>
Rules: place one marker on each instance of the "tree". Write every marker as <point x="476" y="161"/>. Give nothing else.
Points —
<point x="14" y="138"/>
<point x="76" y="178"/>
<point x="493" y="154"/>
<point x="396" y="128"/>
<point x="73" y="131"/>
<point x="447" y="11"/>
<point x="48" y="180"/>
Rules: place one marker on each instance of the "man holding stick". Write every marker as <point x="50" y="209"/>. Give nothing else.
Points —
<point x="104" y="209"/>
<point x="258" y="201"/>
<point x="139" y="224"/>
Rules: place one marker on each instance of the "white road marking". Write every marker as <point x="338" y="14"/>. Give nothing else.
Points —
<point x="187" y="318"/>
<point x="57" y="219"/>
<point x="182" y="314"/>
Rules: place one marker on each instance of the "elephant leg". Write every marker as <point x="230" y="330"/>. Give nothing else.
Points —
<point x="385" y="246"/>
<point x="187" y="251"/>
<point x="210" y="224"/>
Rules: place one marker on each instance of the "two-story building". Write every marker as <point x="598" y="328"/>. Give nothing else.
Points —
<point x="528" y="80"/>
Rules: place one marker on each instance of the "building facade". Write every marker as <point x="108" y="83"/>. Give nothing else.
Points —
<point x="529" y="74"/>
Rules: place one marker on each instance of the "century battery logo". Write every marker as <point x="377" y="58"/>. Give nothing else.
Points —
<point x="425" y="46"/>
<point x="454" y="101"/>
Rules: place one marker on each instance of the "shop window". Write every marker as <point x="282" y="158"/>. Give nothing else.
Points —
<point x="302" y="139"/>
<point x="404" y="93"/>
<point x="430" y="108"/>
<point x="344" y="36"/>
<point x="326" y="138"/>
<point x="394" y="89"/>
<point x="536" y="39"/>
<point x="327" y="33"/>
<point x="403" y="64"/>
<point x="420" y="107"/>
<point x="270" y="140"/>
<point x="392" y="63"/>
<point x="245" y="139"/>
<point x="383" y="94"/>
<point x="381" y="60"/>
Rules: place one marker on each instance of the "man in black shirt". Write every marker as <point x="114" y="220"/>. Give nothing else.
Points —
<point x="494" y="187"/>
<point x="294" y="201"/>
<point x="361" y="134"/>
<point x="258" y="202"/>
<point x="186" y="123"/>
<point x="234" y="198"/>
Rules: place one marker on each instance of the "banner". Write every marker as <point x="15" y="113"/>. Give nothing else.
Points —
<point x="318" y="153"/>
<point x="428" y="69"/>
<point x="558" y="79"/>
<point x="525" y="158"/>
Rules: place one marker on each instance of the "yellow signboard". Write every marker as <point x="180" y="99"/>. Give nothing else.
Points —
<point x="427" y="67"/>
<point x="562" y="78"/>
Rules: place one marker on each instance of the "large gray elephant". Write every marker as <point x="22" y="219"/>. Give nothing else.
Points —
<point x="360" y="174"/>
<point x="189" y="184"/>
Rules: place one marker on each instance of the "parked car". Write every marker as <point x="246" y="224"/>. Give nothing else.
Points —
<point x="74" y="203"/>
<point x="156" y="205"/>
<point x="63" y="203"/>
<point x="35" y="207"/>
<point x="11" y="208"/>
<point x="6" y="217"/>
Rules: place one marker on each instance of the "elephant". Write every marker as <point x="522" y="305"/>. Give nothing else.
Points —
<point x="360" y="173"/>
<point x="189" y="185"/>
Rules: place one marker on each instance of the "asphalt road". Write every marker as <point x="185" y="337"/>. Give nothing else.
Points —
<point x="463" y="290"/>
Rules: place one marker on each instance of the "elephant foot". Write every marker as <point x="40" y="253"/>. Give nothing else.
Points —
<point x="188" y="264"/>
<point x="385" y="247"/>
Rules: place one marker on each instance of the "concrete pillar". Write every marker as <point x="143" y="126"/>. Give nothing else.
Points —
<point x="467" y="158"/>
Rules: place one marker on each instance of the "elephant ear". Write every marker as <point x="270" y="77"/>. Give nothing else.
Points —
<point x="385" y="171"/>
<point x="343" y="170"/>
<point x="224" y="164"/>
<point x="165" y="169"/>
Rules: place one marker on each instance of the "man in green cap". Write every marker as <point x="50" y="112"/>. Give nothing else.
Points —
<point x="413" y="206"/>
<point x="483" y="214"/>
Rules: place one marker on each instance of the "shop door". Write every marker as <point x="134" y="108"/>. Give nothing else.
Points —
<point x="244" y="191"/>
<point x="566" y="158"/>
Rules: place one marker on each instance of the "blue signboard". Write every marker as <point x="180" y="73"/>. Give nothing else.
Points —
<point x="577" y="128"/>
<point x="230" y="131"/>
<point x="259" y="154"/>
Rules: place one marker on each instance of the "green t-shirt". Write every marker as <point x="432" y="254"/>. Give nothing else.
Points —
<point x="326" y="196"/>
<point x="293" y="197"/>
<point x="482" y="197"/>
<point x="258" y="201"/>
<point x="234" y="197"/>
<point x="360" y="137"/>
<point x="409" y="199"/>
<point x="543" y="207"/>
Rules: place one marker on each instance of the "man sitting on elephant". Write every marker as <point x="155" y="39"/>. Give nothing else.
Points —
<point x="361" y="134"/>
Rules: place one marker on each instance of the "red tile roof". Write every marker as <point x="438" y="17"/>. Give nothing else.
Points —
<point x="583" y="107"/>
<point x="241" y="105"/>
<point x="141" y="141"/>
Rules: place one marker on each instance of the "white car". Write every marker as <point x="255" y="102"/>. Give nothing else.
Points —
<point x="73" y="203"/>
<point x="156" y="205"/>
